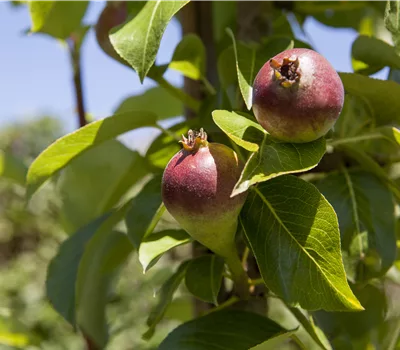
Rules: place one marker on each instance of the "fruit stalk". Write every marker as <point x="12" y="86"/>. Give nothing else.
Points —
<point x="239" y="275"/>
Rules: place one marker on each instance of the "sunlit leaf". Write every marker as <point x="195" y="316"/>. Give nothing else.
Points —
<point x="294" y="235"/>
<point x="275" y="158"/>
<point x="190" y="57"/>
<point x="392" y="21"/>
<point x="156" y="244"/>
<point x="57" y="18"/>
<point x="68" y="147"/>
<point x="138" y="40"/>
<point x="250" y="59"/>
<point x="243" y="131"/>
<point x="155" y="100"/>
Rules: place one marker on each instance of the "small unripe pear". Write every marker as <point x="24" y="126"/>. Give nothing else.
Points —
<point x="196" y="190"/>
<point x="297" y="96"/>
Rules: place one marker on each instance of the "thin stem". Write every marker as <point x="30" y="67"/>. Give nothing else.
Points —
<point x="169" y="133"/>
<point x="256" y="282"/>
<point x="298" y="342"/>
<point x="245" y="256"/>
<point x="238" y="151"/>
<point x="208" y="86"/>
<point x="239" y="275"/>
<point x="225" y="304"/>
<point x="75" y="56"/>
<point x="353" y="139"/>
<point x="354" y="205"/>
<point x="188" y="100"/>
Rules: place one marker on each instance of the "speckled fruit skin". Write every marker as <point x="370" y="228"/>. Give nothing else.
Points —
<point x="304" y="111"/>
<point x="196" y="189"/>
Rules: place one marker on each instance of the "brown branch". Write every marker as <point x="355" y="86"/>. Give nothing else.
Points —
<point x="77" y="77"/>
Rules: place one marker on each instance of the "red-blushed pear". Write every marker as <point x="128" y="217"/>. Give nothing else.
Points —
<point x="297" y="96"/>
<point x="196" y="190"/>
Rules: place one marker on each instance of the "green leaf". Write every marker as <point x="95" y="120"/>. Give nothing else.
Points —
<point x="68" y="147"/>
<point x="275" y="158"/>
<point x="227" y="67"/>
<point x="165" y="296"/>
<point x="190" y="57"/>
<point x="94" y="182"/>
<point x="155" y="245"/>
<point x="227" y="329"/>
<point x="365" y="210"/>
<point x="204" y="277"/>
<point x="250" y="59"/>
<point x="391" y="134"/>
<point x="392" y="21"/>
<point x="339" y="19"/>
<point x="12" y="168"/>
<point x="155" y="100"/>
<point x="356" y="118"/>
<point x="243" y="131"/>
<point x="224" y="15"/>
<point x="245" y="57"/>
<point x="370" y="165"/>
<point x="315" y="7"/>
<point x="382" y="96"/>
<point x="144" y="212"/>
<point x="103" y="256"/>
<point x="294" y="235"/>
<point x="354" y="326"/>
<point x="63" y="269"/>
<point x="315" y="333"/>
<point x="137" y="41"/>
<point x="375" y="53"/>
<point x="57" y="18"/>
<point x="165" y="146"/>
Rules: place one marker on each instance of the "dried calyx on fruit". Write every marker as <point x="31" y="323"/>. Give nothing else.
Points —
<point x="287" y="72"/>
<point x="297" y="96"/>
<point x="194" y="140"/>
<point x="196" y="190"/>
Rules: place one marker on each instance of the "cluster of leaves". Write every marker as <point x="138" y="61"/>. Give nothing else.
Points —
<point x="324" y="239"/>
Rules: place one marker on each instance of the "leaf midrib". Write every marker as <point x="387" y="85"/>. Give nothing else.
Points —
<point x="148" y="33"/>
<point x="301" y="247"/>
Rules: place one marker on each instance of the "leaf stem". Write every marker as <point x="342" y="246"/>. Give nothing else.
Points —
<point x="353" y="139"/>
<point x="256" y="282"/>
<point x="75" y="57"/>
<point x="225" y="304"/>
<point x="239" y="275"/>
<point x="188" y="100"/>
<point x="298" y="341"/>
<point x="169" y="133"/>
<point x="208" y="86"/>
<point x="245" y="256"/>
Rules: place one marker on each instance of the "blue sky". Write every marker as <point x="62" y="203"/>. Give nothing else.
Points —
<point x="35" y="74"/>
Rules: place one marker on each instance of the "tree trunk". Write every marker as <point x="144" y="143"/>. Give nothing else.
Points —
<point x="252" y="23"/>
